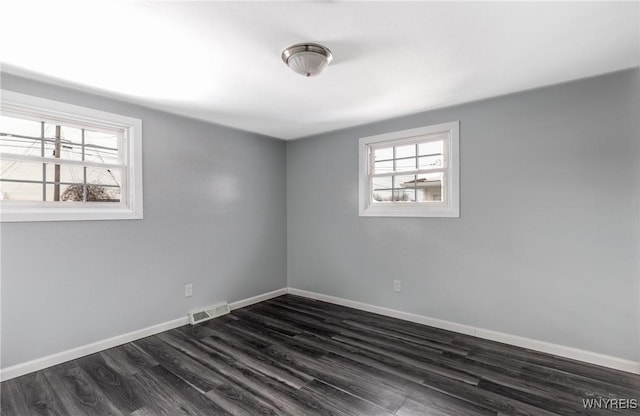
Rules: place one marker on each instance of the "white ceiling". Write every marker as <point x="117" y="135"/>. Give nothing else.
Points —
<point x="220" y="61"/>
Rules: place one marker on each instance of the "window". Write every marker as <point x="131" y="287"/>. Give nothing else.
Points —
<point x="63" y="162"/>
<point x="411" y="173"/>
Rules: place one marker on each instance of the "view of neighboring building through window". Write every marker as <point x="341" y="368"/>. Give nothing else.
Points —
<point x="63" y="162"/>
<point x="44" y="161"/>
<point x="411" y="173"/>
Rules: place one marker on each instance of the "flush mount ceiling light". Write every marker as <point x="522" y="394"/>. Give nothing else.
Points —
<point x="307" y="59"/>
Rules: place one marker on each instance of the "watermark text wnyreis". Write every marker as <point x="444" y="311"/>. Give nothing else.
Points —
<point x="602" y="403"/>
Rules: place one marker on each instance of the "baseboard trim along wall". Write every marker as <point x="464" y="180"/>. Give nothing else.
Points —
<point x="256" y="299"/>
<point x="542" y="346"/>
<point x="68" y="355"/>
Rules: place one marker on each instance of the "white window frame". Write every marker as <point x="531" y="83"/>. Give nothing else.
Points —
<point x="450" y="207"/>
<point x="30" y="107"/>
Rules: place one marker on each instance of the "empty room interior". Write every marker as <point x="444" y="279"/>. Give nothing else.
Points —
<point x="320" y="208"/>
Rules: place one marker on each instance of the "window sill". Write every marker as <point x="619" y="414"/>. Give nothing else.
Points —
<point x="410" y="211"/>
<point x="67" y="214"/>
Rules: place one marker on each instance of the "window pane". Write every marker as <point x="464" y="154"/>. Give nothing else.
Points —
<point x="70" y="142"/>
<point x="430" y="162"/>
<point x="383" y="183"/>
<point x="404" y="188"/>
<point x="68" y="173"/>
<point x="20" y="126"/>
<point x="429" y="187"/>
<point x="382" y="196"/>
<point x="95" y="193"/>
<point x="104" y="185"/>
<point x="383" y="166"/>
<point x="383" y="191"/>
<point x="14" y="191"/>
<point x="406" y="151"/>
<point x="383" y="154"/>
<point x="101" y="176"/>
<point x="101" y="147"/>
<point x="66" y="192"/>
<point x="16" y="170"/>
<point x="102" y="194"/>
<point x="430" y="148"/>
<point x="20" y="171"/>
<point x="405" y="164"/>
<point x="18" y="136"/>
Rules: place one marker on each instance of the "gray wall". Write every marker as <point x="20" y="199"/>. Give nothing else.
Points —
<point x="547" y="243"/>
<point x="214" y="216"/>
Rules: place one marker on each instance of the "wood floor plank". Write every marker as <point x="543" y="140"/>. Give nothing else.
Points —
<point x="408" y="387"/>
<point x="338" y="402"/>
<point x="297" y="320"/>
<point x="273" y="324"/>
<point x="207" y="328"/>
<point x="534" y="397"/>
<point x="554" y="376"/>
<point x="607" y="375"/>
<point x="426" y="364"/>
<point x="120" y="388"/>
<point x="144" y="411"/>
<point x="267" y="383"/>
<point x="365" y="357"/>
<point x="39" y="396"/>
<point x="183" y="389"/>
<point x="486" y="399"/>
<point x="345" y="313"/>
<point x="412" y="408"/>
<point x="435" y="401"/>
<point x="128" y="359"/>
<point x="11" y="401"/>
<point x="78" y="392"/>
<point x="282" y="302"/>
<point x="191" y="371"/>
<point x="392" y="339"/>
<point x="260" y="363"/>
<point x="162" y="399"/>
<point x="292" y="356"/>
<point x="228" y="359"/>
<point x="407" y="339"/>
<point x="259" y="333"/>
<point x="382" y="394"/>
<point x="367" y="327"/>
<point x="266" y="387"/>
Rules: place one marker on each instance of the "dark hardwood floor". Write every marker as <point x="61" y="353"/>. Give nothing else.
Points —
<point x="295" y="356"/>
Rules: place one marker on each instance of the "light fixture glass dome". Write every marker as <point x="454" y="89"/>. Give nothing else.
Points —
<point x="307" y="59"/>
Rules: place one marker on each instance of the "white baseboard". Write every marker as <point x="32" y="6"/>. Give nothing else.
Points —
<point x="68" y="355"/>
<point x="542" y="346"/>
<point x="259" y="298"/>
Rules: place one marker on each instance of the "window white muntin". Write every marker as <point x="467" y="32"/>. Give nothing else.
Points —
<point x="450" y="205"/>
<point x="129" y="132"/>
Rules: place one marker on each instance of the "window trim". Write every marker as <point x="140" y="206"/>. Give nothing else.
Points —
<point x="449" y="208"/>
<point x="30" y="107"/>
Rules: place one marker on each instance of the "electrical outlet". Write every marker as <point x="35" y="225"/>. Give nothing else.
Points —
<point x="188" y="290"/>
<point x="396" y="286"/>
